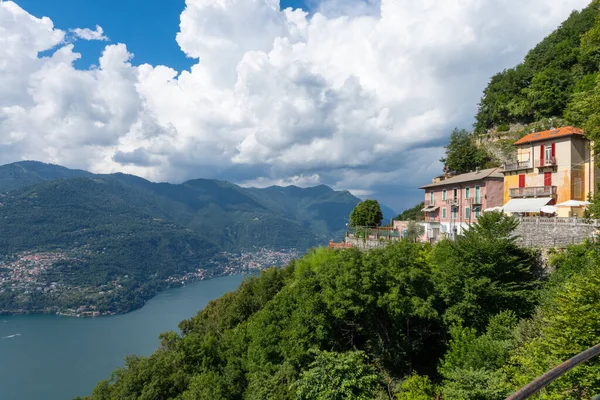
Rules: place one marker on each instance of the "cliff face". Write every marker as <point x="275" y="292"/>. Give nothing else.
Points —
<point x="498" y="140"/>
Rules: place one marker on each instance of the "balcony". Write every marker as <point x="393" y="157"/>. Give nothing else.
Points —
<point x="518" y="166"/>
<point x="547" y="163"/>
<point x="473" y="201"/>
<point x="426" y="217"/>
<point x="533" y="191"/>
<point x="429" y="203"/>
<point x="453" y="201"/>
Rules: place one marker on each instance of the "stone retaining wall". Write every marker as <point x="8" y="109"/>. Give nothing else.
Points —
<point x="554" y="232"/>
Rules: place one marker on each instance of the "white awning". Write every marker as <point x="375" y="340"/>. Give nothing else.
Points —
<point x="493" y="209"/>
<point x="430" y="208"/>
<point x="526" y="205"/>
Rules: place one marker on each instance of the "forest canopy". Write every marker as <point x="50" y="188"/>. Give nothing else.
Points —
<point x="468" y="319"/>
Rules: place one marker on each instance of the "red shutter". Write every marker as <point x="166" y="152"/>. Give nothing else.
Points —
<point x="547" y="178"/>
<point x="541" y="155"/>
<point x="553" y="149"/>
<point x="521" y="181"/>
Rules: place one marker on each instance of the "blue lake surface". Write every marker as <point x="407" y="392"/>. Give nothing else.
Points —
<point x="45" y="357"/>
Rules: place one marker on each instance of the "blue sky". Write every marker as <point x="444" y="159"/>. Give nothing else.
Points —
<point x="150" y="35"/>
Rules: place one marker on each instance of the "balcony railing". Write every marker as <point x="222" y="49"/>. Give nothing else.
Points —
<point x="533" y="191"/>
<point x="549" y="162"/>
<point x="516" y="166"/>
<point x="472" y="200"/>
<point x="429" y="203"/>
<point x="453" y="200"/>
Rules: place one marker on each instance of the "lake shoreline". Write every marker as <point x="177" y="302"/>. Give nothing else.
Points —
<point x="67" y="357"/>
<point x="68" y="313"/>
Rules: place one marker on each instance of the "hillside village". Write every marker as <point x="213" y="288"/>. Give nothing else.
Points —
<point x="547" y="187"/>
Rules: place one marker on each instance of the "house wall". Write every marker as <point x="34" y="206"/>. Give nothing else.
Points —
<point x="569" y="151"/>
<point x="494" y="193"/>
<point x="491" y="194"/>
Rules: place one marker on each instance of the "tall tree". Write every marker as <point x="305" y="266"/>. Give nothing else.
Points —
<point x="463" y="155"/>
<point x="484" y="272"/>
<point x="366" y="213"/>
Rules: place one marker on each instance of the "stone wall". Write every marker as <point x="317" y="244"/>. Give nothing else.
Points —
<point x="554" y="232"/>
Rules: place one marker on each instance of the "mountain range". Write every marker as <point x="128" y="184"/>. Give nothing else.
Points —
<point x="128" y="237"/>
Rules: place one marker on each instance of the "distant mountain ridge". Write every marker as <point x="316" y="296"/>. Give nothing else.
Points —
<point x="106" y="227"/>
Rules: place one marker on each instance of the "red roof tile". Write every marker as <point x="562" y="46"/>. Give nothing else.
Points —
<point x="549" y="134"/>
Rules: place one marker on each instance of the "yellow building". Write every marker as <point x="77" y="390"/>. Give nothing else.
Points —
<point x="552" y="167"/>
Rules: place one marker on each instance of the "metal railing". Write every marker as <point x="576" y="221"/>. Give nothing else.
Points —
<point x="544" y="380"/>
<point x="370" y="232"/>
<point x="472" y="200"/>
<point x="516" y="166"/>
<point x="429" y="203"/>
<point x="547" y="162"/>
<point x="533" y="191"/>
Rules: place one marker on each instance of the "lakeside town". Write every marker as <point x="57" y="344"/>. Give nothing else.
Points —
<point x="30" y="274"/>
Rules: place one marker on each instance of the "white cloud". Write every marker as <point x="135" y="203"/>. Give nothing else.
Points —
<point x="88" y="34"/>
<point x="354" y="97"/>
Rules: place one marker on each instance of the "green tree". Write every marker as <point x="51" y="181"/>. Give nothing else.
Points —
<point x="414" y="231"/>
<point x="366" y="213"/>
<point x="463" y="155"/>
<point x="416" y="387"/>
<point x="566" y="324"/>
<point x="411" y="213"/>
<point x="338" y="376"/>
<point x="472" y="367"/>
<point x="484" y="272"/>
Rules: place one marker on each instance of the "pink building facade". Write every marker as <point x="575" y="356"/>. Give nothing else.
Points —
<point x="452" y="204"/>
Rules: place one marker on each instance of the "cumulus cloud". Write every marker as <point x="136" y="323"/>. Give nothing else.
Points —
<point x="88" y="34"/>
<point x="360" y="95"/>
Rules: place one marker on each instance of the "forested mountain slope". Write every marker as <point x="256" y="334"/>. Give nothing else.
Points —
<point x="98" y="229"/>
<point x="547" y="82"/>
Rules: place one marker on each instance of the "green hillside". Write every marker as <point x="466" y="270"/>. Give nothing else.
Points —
<point x="468" y="319"/>
<point x="114" y="240"/>
<point x="547" y="83"/>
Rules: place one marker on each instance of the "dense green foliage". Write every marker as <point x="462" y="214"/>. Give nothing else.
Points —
<point x="366" y="213"/>
<point x="411" y="213"/>
<point x="463" y="155"/>
<point x="553" y="75"/>
<point x="342" y="324"/>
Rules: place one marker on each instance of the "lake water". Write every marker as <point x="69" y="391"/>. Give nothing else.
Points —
<point x="57" y="358"/>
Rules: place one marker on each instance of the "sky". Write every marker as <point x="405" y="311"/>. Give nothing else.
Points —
<point x="359" y="95"/>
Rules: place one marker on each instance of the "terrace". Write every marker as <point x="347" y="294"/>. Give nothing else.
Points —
<point x="533" y="191"/>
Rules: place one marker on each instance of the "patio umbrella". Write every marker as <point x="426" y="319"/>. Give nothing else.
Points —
<point x="549" y="209"/>
<point x="493" y="209"/>
<point x="573" y="203"/>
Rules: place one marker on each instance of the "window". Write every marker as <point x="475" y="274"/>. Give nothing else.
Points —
<point x="467" y="213"/>
<point x="444" y="194"/>
<point x="443" y="213"/>
<point x="467" y="192"/>
<point x="478" y="194"/>
<point x="477" y="211"/>
<point x="454" y="212"/>
<point x="455" y="193"/>
<point x="432" y="215"/>
<point x="431" y="197"/>
<point x="548" y="151"/>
